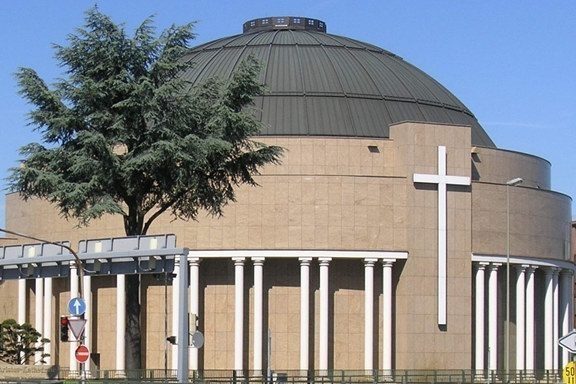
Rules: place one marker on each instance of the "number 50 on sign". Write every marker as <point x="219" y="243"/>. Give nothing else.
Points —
<point x="569" y="373"/>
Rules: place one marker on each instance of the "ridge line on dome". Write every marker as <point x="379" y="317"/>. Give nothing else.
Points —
<point x="338" y="77"/>
<point x="354" y="57"/>
<point x="371" y="97"/>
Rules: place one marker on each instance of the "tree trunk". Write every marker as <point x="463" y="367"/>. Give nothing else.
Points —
<point x="133" y="336"/>
<point x="133" y="350"/>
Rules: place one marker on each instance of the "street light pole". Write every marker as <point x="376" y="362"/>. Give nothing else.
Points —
<point x="509" y="183"/>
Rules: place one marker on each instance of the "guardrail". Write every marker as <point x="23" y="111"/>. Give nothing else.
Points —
<point x="29" y="374"/>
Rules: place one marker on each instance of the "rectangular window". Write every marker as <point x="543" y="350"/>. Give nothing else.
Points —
<point x="265" y="21"/>
<point x="310" y="22"/>
<point x="297" y="20"/>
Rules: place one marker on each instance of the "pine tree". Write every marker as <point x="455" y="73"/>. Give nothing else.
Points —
<point x="19" y="342"/>
<point x="124" y="134"/>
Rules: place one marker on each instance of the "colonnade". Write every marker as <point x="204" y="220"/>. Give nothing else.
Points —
<point x="557" y="312"/>
<point x="258" y="331"/>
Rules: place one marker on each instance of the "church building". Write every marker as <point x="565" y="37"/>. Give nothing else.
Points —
<point x="394" y="234"/>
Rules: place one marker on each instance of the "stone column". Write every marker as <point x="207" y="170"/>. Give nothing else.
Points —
<point x="258" y="312"/>
<point x="530" y="318"/>
<point x="520" y="317"/>
<point x="387" y="315"/>
<point x="39" y="313"/>
<point x="48" y="321"/>
<point x="120" y="323"/>
<point x="21" y="301"/>
<point x="324" y="305"/>
<point x="493" y="316"/>
<point x="194" y="300"/>
<point x="238" y="314"/>
<point x="480" y="316"/>
<point x="555" y="318"/>
<point x="304" y="311"/>
<point x="566" y="300"/>
<point x="549" y="319"/>
<point x="369" y="313"/>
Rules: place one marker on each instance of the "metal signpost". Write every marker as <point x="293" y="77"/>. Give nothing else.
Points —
<point x="568" y="342"/>
<point x="111" y="256"/>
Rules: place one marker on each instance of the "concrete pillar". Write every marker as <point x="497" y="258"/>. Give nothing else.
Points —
<point x="493" y="316"/>
<point x="549" y="319"/>
<point x="21" y="301"/>
<point x="39" y="313"/>
<point x="48" y="320"/>
<point x="479" y="316"/>
<point x="258" y="312"/>
<point x="530" y="351"/>
<point x="120" y="323"/>
<point x="521" y="316"/>
<point x="238" y="313"/>
<point x="369" y="313"/>
<point x="387" y="315"/>
<point x="555" y="317"/>
<point x="324" y="305"/>
<point x="304" y="312"/>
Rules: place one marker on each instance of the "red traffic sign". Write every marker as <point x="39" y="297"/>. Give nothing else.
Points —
<point x="82" y="354"/>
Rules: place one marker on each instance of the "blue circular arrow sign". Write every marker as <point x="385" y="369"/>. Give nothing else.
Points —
<point x="77" y="306"/>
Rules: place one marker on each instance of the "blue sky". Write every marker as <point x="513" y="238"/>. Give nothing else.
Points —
<point x="513" y="63"/>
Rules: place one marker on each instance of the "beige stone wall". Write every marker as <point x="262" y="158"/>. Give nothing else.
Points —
<point x="334" y="194"/>
<point x="419" y="342"/>
<point x="491" y="165"/>
<point x="540" y="222"/>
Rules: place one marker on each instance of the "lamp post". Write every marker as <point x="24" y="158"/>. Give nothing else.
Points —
<point x="510" y="183"/>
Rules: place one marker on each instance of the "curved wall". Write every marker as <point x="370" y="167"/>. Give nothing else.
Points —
<point x="340" y="194"/>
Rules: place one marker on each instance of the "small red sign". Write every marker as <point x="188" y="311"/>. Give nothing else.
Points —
<point x="82" y="354"/>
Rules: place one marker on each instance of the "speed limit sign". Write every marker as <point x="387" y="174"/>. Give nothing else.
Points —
<point x="569" y="373"/>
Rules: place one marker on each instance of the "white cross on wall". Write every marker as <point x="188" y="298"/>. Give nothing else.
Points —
<point x="442" y="180"/>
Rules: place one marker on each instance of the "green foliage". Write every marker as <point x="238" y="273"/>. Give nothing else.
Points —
<point x="20" y="342"/>
<point x="124" y="134"/>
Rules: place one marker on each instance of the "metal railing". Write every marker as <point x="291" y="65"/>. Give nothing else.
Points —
<point x="30" y="374"/>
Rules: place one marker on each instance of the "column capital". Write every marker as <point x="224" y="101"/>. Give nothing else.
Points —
<point x="566" y="272"/>
<point x="521" y="268"/>
<point x="239" y="261"/>
<point x="258" y="261"/>
<point x="495" y="266"/>
<point x="324" y="261"/>
<point x="369" y="262"/>
<point x="482" y="265"/>
<point x="195" y="261"/>
<point x="387" y="263"/>
<point x="551" y="270"/>
<point x="305" y="261"/>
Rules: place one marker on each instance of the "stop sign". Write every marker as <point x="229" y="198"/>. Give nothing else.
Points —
<point x="82" y="354"/>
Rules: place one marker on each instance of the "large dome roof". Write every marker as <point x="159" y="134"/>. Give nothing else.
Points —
<point x="318" y="84"/>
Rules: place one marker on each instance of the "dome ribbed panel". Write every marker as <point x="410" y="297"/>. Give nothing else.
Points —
<point x="326" y="85"/>
<point x="284" y="74"/>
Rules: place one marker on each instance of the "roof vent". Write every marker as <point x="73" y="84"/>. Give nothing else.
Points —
<point x="284" y="22"/>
